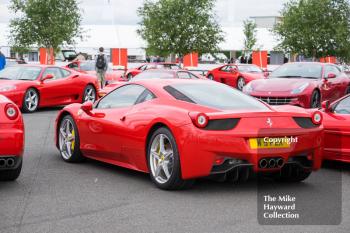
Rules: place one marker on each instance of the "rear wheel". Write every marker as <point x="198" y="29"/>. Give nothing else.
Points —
<point x="11" y="175"/>
<point x="315" y="99"/>
<point x="89" y="94"/>
<point x="164" y="162"/>
<point x="211" y="77"/>
<point x="240" y="83"/>
<point x="30" y="101"/>
<point x="69" y="142"/>
<point x="347" y="90"/>
<point x="129" y="76"/>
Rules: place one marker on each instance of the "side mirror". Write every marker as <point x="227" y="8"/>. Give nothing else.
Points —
<point x="87" y="107"/>
<point x="331" y="75"/>
<point x="48" y="76"/>
<point x="326" y="106"/>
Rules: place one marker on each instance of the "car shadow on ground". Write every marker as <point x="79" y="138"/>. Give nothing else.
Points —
<point x="203" y="184"/>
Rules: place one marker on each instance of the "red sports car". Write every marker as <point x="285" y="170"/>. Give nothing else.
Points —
<point x="11" y="140"/>
<point x="153" y="74"/>
<point x="161" y="65"/>
<point x="88" y="67"/>
<point x="236" y="75"/>
<point x="336" y="120"/>
<point x="177" y="132"/>
<point x="304" y="84"/>
<point x="34" y="86"/>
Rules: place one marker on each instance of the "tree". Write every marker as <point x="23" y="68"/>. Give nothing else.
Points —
<point x="45" y="23"/>
<point x="249" y="30"/>
<point x="315" y="28"/>
<point x="179" y="27"/>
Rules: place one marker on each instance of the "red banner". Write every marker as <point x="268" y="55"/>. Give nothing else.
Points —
<point x="190" y="60"/>
<point x="260" y="58"/>
<point x="120" y="57"/>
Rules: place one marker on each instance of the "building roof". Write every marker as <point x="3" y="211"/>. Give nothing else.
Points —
<point x="125" y="36"/>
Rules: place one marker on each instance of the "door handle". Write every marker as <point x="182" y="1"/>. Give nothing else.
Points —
<point x="123" y="118"/>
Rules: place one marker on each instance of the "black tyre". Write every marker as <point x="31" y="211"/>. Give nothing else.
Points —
<point x="211" y="77"/>
<point x="68" y="140"/>
<point x="315" y="99"/>
<point x="164" y="161"/>
<point x="11" y="175"/>
<point x="240" y="83"/>
<point x="129" y="76"/>
<point x="30" y="101"/>
<point x="89" y="94"/>
<point x="347" y="90"/>
<point x="291" y="173"/>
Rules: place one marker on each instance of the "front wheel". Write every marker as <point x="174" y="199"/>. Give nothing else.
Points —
<point x="30" y="101"/>
<point x="315" y="99"/>
<point x="164" y="162"/>
<point x="89" y="94"/>
<point x="69" y="142"/>
<point x="240" y="83"/>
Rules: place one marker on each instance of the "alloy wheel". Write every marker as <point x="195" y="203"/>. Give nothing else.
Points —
<point x="240" y="84"/>
<point x="161" y="158"/>
<point x="90" y="94"/>
<point x="67" y="139"/>
<point x="315" y="100"/>
<point x="31" y="100"/>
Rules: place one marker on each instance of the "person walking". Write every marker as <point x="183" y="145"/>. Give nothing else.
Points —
<point x="2" y="61"/>
<point x="101" y="66"/>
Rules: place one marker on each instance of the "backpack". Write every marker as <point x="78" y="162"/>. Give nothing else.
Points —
<point x="101" y="62"/>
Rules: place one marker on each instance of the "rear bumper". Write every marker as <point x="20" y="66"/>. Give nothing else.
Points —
<point x="199" y="150"/>
<point x="11" y="140"/>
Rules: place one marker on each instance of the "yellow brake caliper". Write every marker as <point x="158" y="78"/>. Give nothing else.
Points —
<point x="73" y="142"/>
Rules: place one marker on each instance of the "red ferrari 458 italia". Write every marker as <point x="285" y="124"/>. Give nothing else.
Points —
<point x="161" y="65"/>
<point x="236" y="75"/>
<point x="336" y="120"/>
<point x="304" y="84"/>
<point x="34" y="86"/>
<point x="88" y="67"/>
<point x="11" y="140"/>
<point x="154" y="74"/>
<point x="177" y="132"/>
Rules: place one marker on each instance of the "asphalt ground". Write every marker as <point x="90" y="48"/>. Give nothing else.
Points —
<point x="54" y="196"/>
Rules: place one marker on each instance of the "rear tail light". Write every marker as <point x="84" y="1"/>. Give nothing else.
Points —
<point x="11" y="111"/>
<point x="199" y="119"/>
<point x="317" y="118"/>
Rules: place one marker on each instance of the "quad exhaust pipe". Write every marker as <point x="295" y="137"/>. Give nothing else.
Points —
<point x="7" y="163"/>
<point x="271" y="163"/>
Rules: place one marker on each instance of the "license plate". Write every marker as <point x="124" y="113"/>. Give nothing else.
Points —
<point x="268" y="143"/>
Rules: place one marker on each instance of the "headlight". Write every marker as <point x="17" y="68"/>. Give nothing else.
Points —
<point x="7" y="88"/>
<point x="248" y="88"/>
<point x="300" y="89"/>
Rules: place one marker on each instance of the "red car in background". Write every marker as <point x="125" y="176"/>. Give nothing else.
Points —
<point x="11" y="140"/>
<point x="336" y="121"/>
<point x="304" y="84"/>
<point x="88" y="67"/>
<point x="174" y="130"/>
<point x="236" y="76"/>
<point x="161" y="65"/>
<point x="33" y="86"/>
<point x="154" y="74"/>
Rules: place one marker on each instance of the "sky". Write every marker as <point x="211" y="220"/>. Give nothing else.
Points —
<point x="123" y="12"/>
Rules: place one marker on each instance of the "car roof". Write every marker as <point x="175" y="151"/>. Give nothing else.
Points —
<point x="160" y="83"/>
